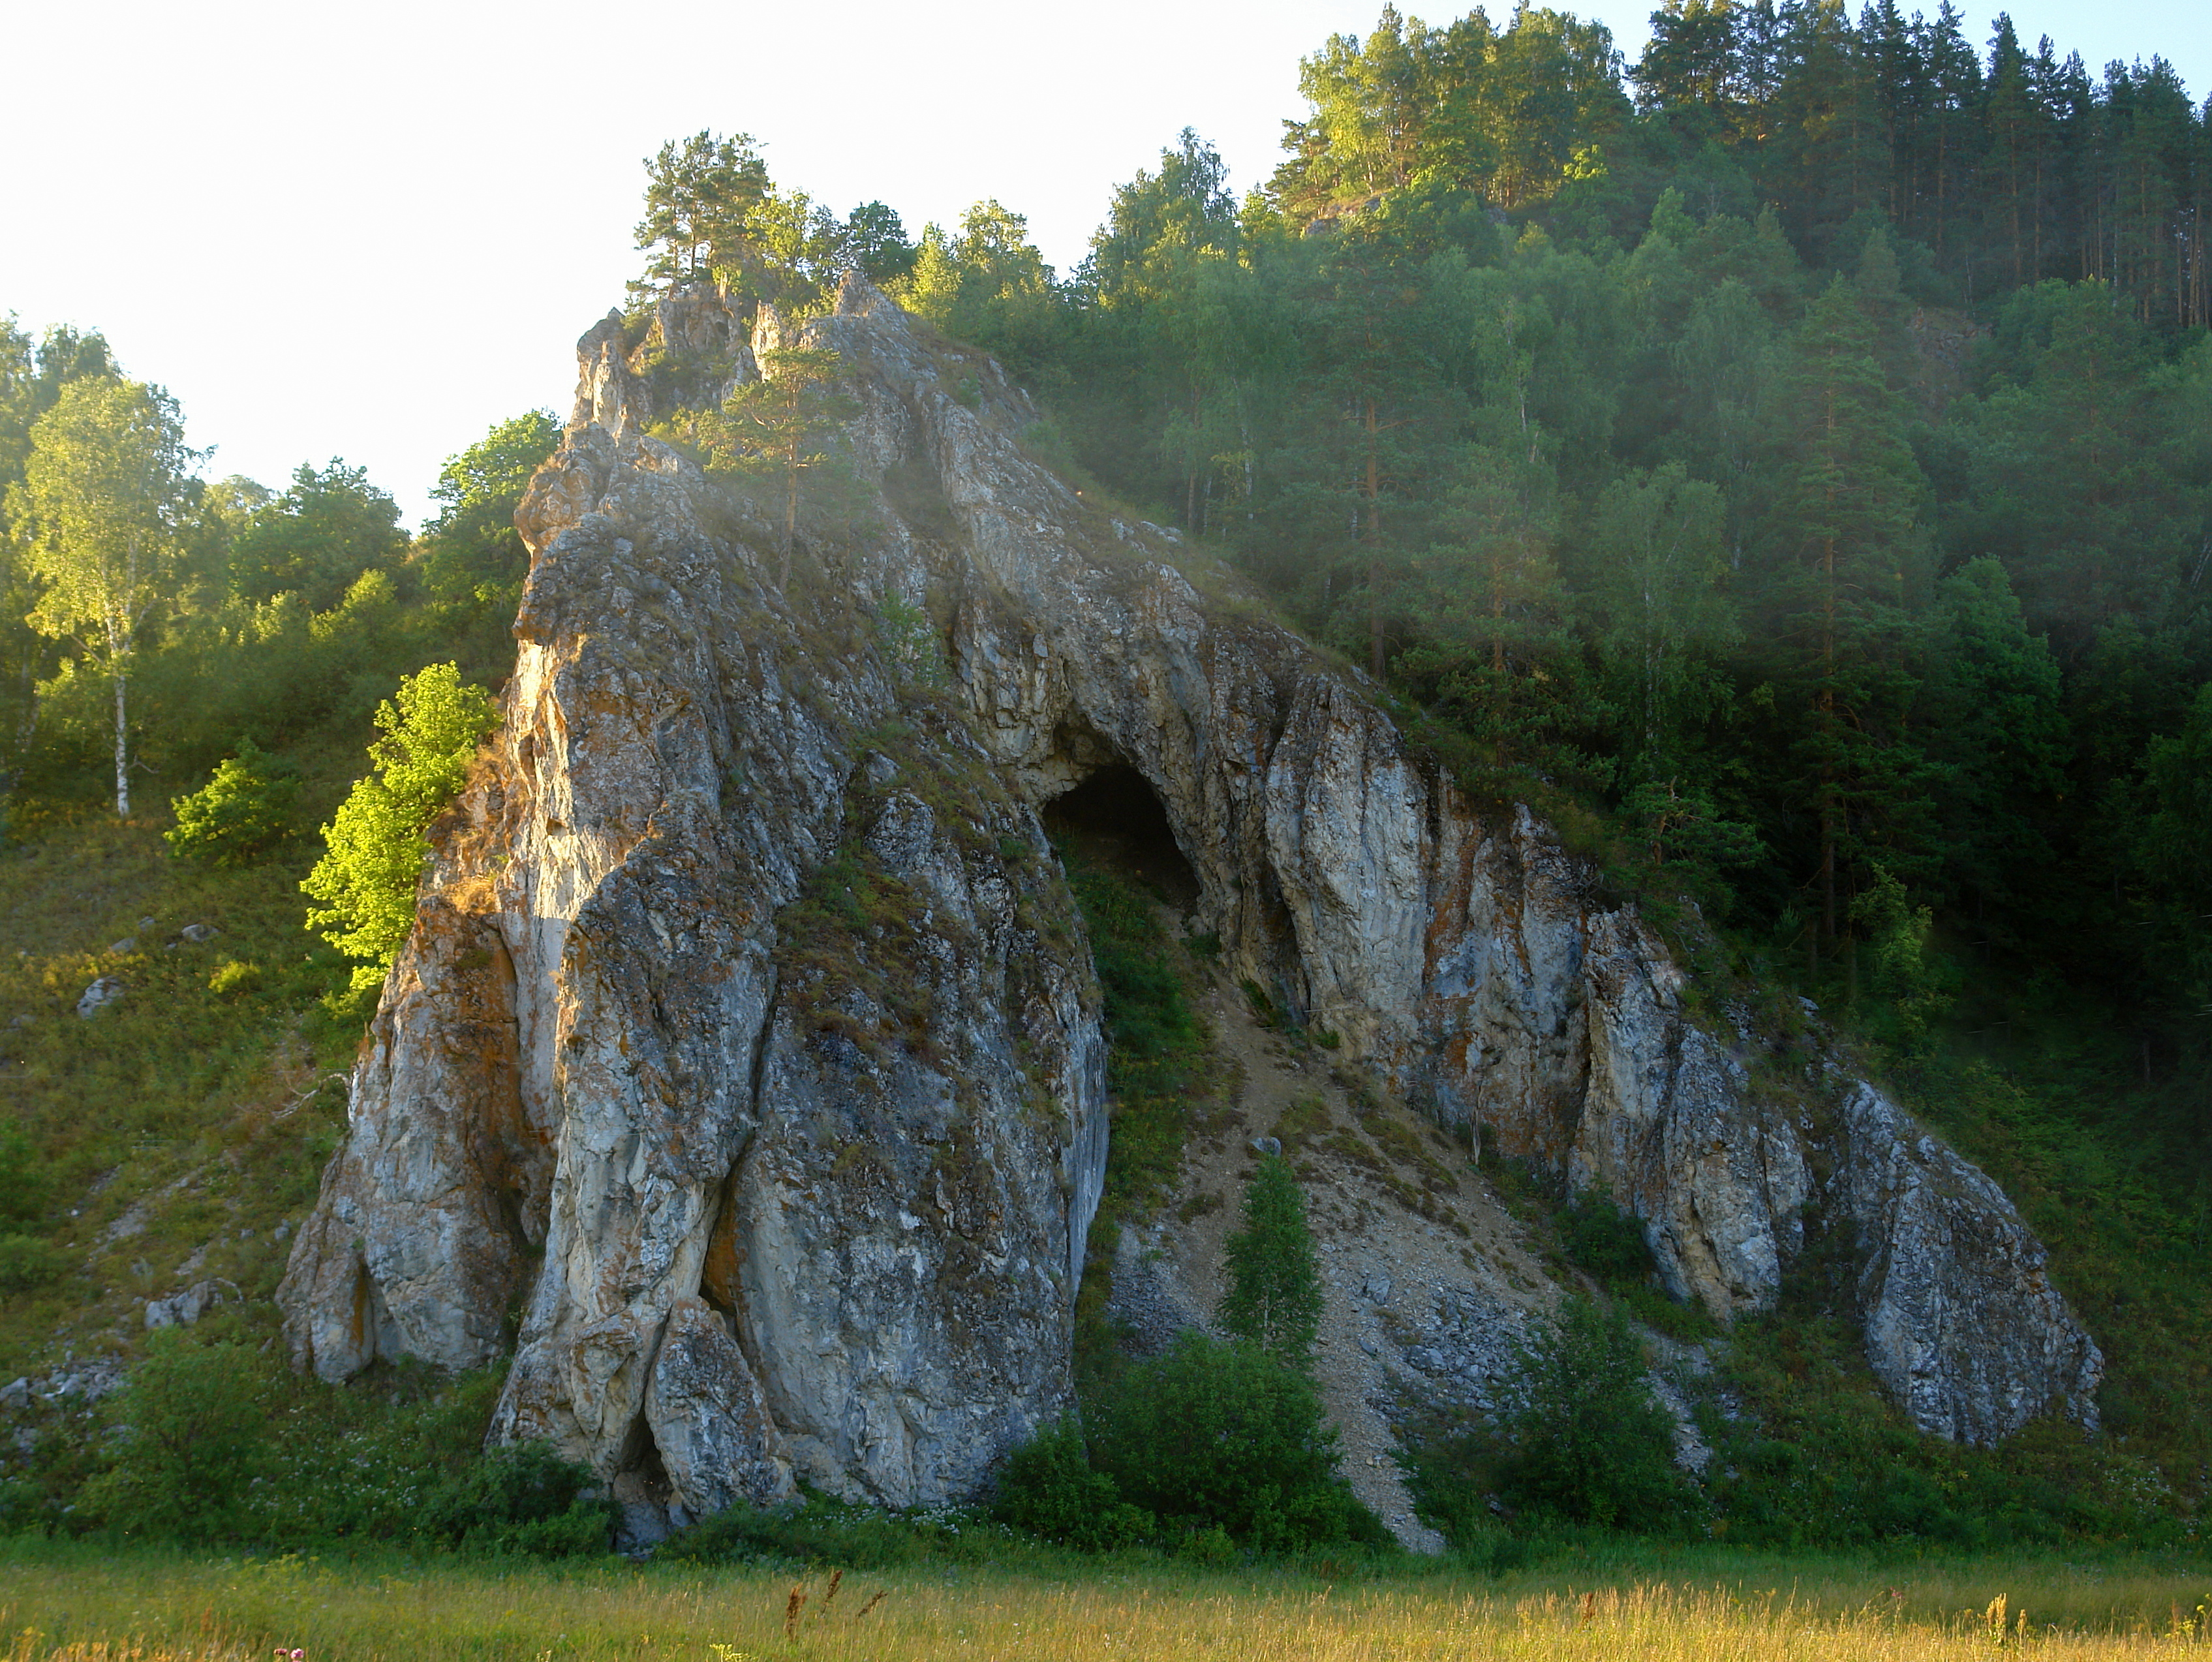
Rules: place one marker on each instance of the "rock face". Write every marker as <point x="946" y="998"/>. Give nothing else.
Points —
<point x="746" y="1051"/>
<point x="1963" y="1326"/>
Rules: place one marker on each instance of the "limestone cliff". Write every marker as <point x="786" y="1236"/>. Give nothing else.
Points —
<point x="747" y="1050"/>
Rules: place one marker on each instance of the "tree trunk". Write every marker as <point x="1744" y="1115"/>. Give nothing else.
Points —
<point x="122" y="748"/>
<point x="790" y="522"/>
<point x="1374" y="656"/>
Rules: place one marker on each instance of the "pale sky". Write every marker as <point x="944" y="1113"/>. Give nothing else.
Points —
<point x="330" y="228"/>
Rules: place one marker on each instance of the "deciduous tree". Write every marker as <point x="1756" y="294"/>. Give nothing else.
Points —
<point x="104" y="488"/>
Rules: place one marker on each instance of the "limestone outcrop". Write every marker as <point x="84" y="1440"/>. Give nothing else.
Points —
<point x="745" y="1071"/>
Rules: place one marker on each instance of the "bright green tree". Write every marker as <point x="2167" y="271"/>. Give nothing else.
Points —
<point x="1273" y="1298"/>
<point x="367" y="880"/>
<point x="242" y="812"/>
<point x="193" y="1435"/>
<point x="777" y="428"/>
<point x="106" y="489"/>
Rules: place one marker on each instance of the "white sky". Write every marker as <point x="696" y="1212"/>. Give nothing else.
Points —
<point x="337" y="230"/>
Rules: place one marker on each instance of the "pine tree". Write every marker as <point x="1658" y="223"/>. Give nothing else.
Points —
<point x="698" y="195"/>
<point x="1274" y="1288"/>
<point x="1849" y="529"/>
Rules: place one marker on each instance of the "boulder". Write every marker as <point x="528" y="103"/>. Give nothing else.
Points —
<point x="185" y="1308"/>
<point x="98" y="996"/>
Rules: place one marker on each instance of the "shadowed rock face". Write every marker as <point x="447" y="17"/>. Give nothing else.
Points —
<point x="748" y="1037"/>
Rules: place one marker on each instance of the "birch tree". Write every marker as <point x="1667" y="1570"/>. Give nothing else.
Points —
<point x="105" y="487"/>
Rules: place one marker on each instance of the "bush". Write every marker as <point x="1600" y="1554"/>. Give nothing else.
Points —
<point x="1609" y="1246"/>
<point x="26" y="1183"/>
<point x="1584" y="1441"/>
<point x="241" y="813"/>
<point x="818" y="1530"/>
<point x="369" y="877"/>
<point x="26" y="1262"/>
<point x="521" y="1499"/>
<point x="1604" y="1241"/>
<point x="1049" y="1489"/>
<point x="1224" y="1434"/>
<point x="193" y="1435"/>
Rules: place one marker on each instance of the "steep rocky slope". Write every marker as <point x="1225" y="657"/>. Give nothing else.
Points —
<point x="747" y="1048"/>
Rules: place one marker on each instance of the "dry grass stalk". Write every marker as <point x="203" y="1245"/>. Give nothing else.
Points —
<point x="792" y="1607"/>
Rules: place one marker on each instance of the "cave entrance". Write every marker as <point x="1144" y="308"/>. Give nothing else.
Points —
<point x="1116" y="818"/>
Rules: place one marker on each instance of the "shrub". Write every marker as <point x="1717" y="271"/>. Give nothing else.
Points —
<point x="1223" y="1434"/>
<point x="1049" y="1489"/>
<point x="1604" y="1241"/>
<point x="231" y="977"/>
<point x="193" y="1435"/>
<point x="367" y="880"/>
<point x="521" y="1499"/>
<point x="241" y="813"/>
<point x="818" y="1530"/>
<point x="1584" y="1441"/>
<point x="26" y="1183"/>
<point x="26" y="1262"/>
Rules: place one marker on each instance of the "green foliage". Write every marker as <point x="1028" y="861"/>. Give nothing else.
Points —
<point x="27" y="1262"/>
<point x="240" y="814"/>
<point x="211" y="1445"/>
<point x="1158" y="1044"/>
<point x="521" y="1500"/>
<point x="1580" y="1441"/>
<point x="1896" y="933"/>
<point x="1214" y="1435"/>
<point x="26" y="1178"/>
<point x="699" y="193"/>
<point x="100" y="514"/>
<point x="192" y="1437"/>
<point x="1609" y="1246"/>
<point x="1274" y="1299"/>
<point x="1049" y="1489"/>
<point x="817" y="1530"/>
<point x="367" y="880"/>
<point x="471" y="552"/>
<point x="1604" y="1241"/>
<point x="1588" y="1443"/>
<point x="317" y="539"/>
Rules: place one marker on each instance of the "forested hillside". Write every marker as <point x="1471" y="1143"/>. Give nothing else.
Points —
<point x="1798" y="444"/>
<point x="1786" y="460"/>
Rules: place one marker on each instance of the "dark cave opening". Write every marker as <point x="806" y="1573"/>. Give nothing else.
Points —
<point x="1116" y="818"/>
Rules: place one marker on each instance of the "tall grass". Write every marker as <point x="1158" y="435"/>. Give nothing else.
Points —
<point x="81" y="1605"/>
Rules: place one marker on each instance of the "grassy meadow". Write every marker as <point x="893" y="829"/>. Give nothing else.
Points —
<point x="70" y="1601"/>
